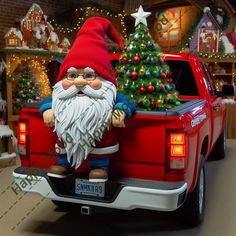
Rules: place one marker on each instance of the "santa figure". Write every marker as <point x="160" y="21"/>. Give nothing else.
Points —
<point x="84" y="103"/>
<point x="232" y="36"/>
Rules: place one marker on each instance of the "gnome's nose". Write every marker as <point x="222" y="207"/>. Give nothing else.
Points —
<point x="80" y="82"/>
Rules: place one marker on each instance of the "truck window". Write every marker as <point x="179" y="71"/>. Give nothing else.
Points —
<point x="208" y="80"/>
<point x="183" y="78"/>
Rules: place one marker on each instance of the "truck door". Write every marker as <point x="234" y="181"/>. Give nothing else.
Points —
<point x="216" y="103"/>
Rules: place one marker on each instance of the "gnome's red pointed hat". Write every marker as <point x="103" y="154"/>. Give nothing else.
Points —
<point x="90" y="49"/>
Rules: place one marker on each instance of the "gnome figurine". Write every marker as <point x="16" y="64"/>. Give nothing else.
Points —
<point x="83" y="103"/>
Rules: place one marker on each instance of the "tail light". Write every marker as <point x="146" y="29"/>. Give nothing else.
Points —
<point x="23" y="138"/>
<point x="177" y="151"/>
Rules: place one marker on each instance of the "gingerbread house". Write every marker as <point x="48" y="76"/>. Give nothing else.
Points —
<point x="65" y="45"/>
<point x="207" y="34"/>
<point x="53" y="42"/>
<point x="34" y="25"/>
<point x="13" y="38"/>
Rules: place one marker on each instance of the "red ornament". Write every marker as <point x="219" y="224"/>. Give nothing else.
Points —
<point x="162" y="86"/>
<point x="124" y="59"/>
<point x="142" y="89"/>
<point x="134" y="75"/>
<point x="169" y="81"/>
<point x="146" y="31"/>
<point x="161" y="60"/>
<point x="136" y="59"/>
<point x="153" y="104"/>
<point x="163" y="75"/>
<point x="150" y="88"/>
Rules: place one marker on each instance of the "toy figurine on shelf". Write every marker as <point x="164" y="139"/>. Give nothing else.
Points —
<point x="44" y="32"/>
<point x="232" y="36"/>
<point x="84" y="102"/>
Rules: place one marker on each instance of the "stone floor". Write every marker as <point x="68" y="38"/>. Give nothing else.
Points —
<point x="31" y="215"/>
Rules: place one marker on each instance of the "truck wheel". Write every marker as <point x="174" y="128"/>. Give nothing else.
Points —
<point x="194" y="207"/>
<point x="218" y="152"/>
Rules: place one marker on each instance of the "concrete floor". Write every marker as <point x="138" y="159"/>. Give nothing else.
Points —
<point x="32" y="215"/>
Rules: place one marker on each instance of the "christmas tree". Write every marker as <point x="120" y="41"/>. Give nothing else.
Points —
<point x="25" y="91"/>
<point x="142" y="72"/>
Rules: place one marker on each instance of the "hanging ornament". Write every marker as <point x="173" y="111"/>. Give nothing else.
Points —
<point x="134" y="75"/>
<point x="157" y="87"/>
<point x="127" y="73"/>
<point x="146" y="103"/>
<point x="160" y="101"/>
<point x="136" y="59"/>
<point x="136" y="36"/>
<point x="148" y="59"/>
<point x="126" y="86"/>
<point x="124" y="59"/>
<point x="162" y="61"/>
<point x="154" y="60"/>
<point x="153" y="104"/>
<point x="155" y="73"/>
<point x="147" y="73"/>
<point x="169" y="80"/>
<point x="168" y="87"/>
<point x="162" y="86"/>
<point x="130" y="47"/>
<point x="142" y="71"/>
<point x="146" y="30"/>
<point x="143" y="46"/>
<point x="169" y="97"/>
<point x="163" y="75"/>
<point x="150" y="88"/>
<point x="150" y="44"/>
<point x="122" y="88"/>
<point x="133" y="87"/>
<point x="142" y="89"/>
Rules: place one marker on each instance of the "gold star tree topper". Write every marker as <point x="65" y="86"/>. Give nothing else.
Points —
<point x="140" y="16"/>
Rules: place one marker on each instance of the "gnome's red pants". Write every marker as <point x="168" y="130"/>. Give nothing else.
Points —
<point x="99" y="156"/>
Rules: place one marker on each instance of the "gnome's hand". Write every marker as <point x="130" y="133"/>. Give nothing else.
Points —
<point x="48" y="118"/>
<point x="118" y="118"/>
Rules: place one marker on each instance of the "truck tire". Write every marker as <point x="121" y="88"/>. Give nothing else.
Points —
<point x="194" y="208"/>
<point x="218" y="151"/>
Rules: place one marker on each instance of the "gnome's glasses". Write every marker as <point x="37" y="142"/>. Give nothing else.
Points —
<point x="85" y="75"/>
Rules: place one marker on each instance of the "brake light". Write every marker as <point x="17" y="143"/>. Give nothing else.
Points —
<point x="22" y="138"/>
<point x="177" y="151"/>
<point x="22" y="127"/>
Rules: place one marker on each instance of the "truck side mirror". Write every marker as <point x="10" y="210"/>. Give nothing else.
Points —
<point x="227" y="90"/>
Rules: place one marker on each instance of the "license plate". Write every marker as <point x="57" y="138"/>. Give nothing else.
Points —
<point x="86" y="187"/>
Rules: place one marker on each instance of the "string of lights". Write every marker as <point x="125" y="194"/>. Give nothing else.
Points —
<point x="84" y="13"/>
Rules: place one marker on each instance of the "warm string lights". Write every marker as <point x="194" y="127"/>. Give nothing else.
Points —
<point x="217" y="55"/>
<point x="37" y="64"/>
<point x="84" y="13"/>
<point x="41" y="77"/>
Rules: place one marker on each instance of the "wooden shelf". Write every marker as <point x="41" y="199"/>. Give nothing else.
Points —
<point x="216" y="65"/>
<point x="222" y="74"/>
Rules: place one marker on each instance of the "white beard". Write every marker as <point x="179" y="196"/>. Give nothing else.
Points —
<point x="82" y="120"/>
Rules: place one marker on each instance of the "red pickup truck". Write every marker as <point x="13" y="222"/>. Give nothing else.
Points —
<point x="160" y="164"/>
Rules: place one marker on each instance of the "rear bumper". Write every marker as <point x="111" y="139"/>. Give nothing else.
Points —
<point x="126" y="194"/>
